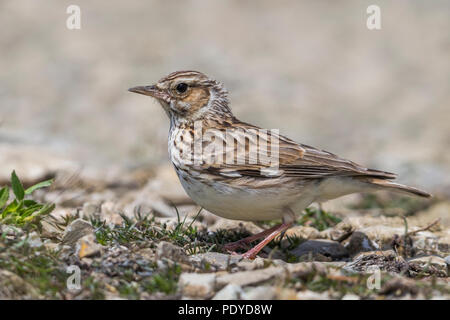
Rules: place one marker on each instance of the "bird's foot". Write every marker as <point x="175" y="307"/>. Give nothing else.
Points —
<point x="250" y="254"/>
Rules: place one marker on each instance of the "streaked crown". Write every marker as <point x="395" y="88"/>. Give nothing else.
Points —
<point x="188" y="96"/>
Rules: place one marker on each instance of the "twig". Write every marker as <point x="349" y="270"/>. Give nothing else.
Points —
<point x="425" y="228"/>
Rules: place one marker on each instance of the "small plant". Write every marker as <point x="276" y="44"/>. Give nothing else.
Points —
<point x="143" y="228"/>
<point x="38" y="266"/>
<point x="318" y="219"/>
<point x="21" y="212"/>
<point x="166" y="281"/>
<point x="340" y="285"/>
<point x="183" y="233"/>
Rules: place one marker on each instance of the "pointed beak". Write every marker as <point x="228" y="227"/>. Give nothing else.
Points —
<point x="151" y="91"/>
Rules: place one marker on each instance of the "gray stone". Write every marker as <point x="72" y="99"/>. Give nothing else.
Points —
<point x="327" y="248"/>
<point x="383" y="260"/>
<point x="170" y="251"/>
<point x="76" y="230"/>
<point x="14" y="287"/>
<point x="305" y="269"/>
<point x="360" y="242"/>
<point x="33" y="239"/>
<point x="11" y="231"/>
<point x="429" y="265"/>
<point x="219" y="260"/>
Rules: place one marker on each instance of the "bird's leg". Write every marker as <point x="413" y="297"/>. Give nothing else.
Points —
<point x="243" y="243"/>
<point x="251" y="254"/>
<point x="320" y="206"/>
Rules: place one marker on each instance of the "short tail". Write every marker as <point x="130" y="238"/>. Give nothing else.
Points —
<point x="397" y="187"/>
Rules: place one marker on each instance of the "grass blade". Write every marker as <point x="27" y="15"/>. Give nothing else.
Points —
<point x="195" y="218"/>
<point x="43" y="184"/>
<point x="17" y="186"/>
<point x="4" y="196"/>
<point x="46" y="209"/>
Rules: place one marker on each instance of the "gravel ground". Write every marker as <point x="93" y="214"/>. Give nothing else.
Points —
<point x="311" y="69"/>
<point x="126" y="239"/>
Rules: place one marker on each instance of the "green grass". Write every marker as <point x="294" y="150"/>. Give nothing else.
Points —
<point x="21" y="211"/>
<point x="224" y="236"/>
<point x="341" y="285"/>
<point x="46" y="272"/>
<point x="317" y="218"/>
<point x="166" y="281"/>
<point x="129" y="290"/>
<point x="38" y="266"/>
<point x="95" y="288"/>
<point x="143" y="229"/>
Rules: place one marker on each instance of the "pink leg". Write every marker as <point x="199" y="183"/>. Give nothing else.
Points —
<point x="244" y="242"/>
<point x="251" y="254"/>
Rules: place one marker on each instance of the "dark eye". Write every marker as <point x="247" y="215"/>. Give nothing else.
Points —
<point x="181" y="87"/>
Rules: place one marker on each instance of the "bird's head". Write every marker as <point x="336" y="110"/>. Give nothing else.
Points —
<point x="188" y="96"/>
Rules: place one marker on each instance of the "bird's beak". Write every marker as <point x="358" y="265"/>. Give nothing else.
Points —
<point x="151" y="91"/>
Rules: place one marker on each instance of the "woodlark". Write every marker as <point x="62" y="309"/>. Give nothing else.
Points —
<point x="239" y="171"/>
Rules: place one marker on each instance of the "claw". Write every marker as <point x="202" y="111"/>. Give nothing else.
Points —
<point x="249" y="255"/>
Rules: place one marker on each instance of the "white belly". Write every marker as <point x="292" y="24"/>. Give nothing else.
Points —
<point x="239" y="203"/>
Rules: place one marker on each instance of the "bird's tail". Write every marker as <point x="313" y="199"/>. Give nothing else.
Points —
<point x="396" y="187"/>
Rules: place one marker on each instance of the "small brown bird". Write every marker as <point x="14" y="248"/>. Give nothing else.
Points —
<point x="239" y="171"/>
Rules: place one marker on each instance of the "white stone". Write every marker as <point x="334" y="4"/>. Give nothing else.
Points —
<point x="197" y="285"/>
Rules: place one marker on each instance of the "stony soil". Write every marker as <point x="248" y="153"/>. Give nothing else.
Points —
<point x="124" y="234"/>
<point x="310" y="69"/>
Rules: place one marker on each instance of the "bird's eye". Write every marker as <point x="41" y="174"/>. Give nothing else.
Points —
<point x="181" y="87"/>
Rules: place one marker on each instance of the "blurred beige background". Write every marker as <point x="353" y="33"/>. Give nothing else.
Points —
<point x="310" y="68"/>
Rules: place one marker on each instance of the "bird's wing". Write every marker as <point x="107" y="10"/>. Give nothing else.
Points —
<point x="262" y="153"/>
<point x="317" y="163"/>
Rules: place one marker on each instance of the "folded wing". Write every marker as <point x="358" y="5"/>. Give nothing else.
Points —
<point x="256" y="150"/>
